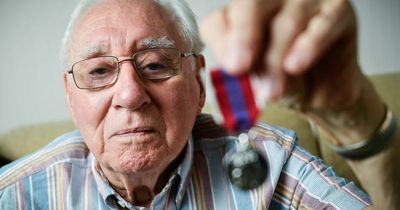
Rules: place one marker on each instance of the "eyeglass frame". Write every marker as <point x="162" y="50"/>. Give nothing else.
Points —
<point x="132" y="59"/>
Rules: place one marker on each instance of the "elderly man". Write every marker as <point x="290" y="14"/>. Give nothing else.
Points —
<point x="134" y="91"/>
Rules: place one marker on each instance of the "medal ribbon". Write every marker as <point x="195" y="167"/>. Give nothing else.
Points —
<point x="235" y="99"/>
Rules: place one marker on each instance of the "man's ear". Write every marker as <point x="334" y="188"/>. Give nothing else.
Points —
<point x="201" y="65"/>
<point x="68" y="98"/>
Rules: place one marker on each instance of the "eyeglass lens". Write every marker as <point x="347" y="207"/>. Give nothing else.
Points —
<point x="151" y="64"/>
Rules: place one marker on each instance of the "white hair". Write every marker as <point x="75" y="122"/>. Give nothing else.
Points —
<point x="178" y="10"/>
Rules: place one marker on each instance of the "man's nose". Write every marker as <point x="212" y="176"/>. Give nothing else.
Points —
<point x="130" y="91"/>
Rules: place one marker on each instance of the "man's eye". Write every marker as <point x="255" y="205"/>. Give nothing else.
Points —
<point x="100" y="72"/>
<point x="154" y="67"/>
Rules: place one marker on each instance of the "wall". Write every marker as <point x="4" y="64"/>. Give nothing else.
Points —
<point x="30" y="72"/>
<point x="379" y="32"/>
<point x="31" y="75"/>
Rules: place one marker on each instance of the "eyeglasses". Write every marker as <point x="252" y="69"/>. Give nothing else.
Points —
<point x="150" y="64"/>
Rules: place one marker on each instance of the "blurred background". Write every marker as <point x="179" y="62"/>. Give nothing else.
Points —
<point x="31" y="86"/>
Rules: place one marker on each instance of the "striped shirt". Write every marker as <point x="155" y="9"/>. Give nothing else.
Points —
<point x="65" y="175"/>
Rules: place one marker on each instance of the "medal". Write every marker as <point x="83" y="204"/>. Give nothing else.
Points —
<point x="245" y="167"/>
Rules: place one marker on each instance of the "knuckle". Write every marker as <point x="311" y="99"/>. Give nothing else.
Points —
<point x="342" y="3"/>
<point x="303" y="3"/>
<point x="289" y="24"/>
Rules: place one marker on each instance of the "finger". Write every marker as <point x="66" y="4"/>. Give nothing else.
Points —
<point x="214" y="29"/>
<point x="248" y="21"/>
<point x="243" y="23"/>
<point x="286" y="26"/>
<point x="332" y="24"/>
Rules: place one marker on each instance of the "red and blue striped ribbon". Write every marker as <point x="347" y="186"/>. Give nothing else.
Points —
<point x="235" y="99"/>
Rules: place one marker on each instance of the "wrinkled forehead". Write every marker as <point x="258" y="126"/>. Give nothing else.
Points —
<point x="115" y="26"/>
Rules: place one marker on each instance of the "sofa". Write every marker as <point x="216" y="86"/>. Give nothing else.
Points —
<point x="25" y="139"/>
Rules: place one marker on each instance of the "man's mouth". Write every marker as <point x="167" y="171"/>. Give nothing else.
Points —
<point x="130" y="132"/>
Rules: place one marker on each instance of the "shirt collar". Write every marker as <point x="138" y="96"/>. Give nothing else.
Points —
<point x="179" y="179"/>
<point x="184" y="171"/>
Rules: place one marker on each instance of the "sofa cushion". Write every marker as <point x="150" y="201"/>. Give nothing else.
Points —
<point x="283" y="117"/>
<point x="26" y="139"/>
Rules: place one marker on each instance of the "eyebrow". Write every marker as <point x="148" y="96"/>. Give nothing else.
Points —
<point x="94" y="51"/>
<point x="147" y="43"/>
<point x="161" y="42"/>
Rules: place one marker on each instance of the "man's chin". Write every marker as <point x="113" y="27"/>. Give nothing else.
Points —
<point x="138" y="164"/>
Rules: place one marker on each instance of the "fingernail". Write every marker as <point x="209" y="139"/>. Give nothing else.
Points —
<point x="268" y="89"/>
<point x="295" y="62"/>
<point x="275" y="88"/>
<point x="262" y="89"/>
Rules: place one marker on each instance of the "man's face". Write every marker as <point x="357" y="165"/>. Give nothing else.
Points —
<point x="134" y="125"/>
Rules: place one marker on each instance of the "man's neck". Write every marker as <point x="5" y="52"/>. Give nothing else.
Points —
<point x="141" y="190"/>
